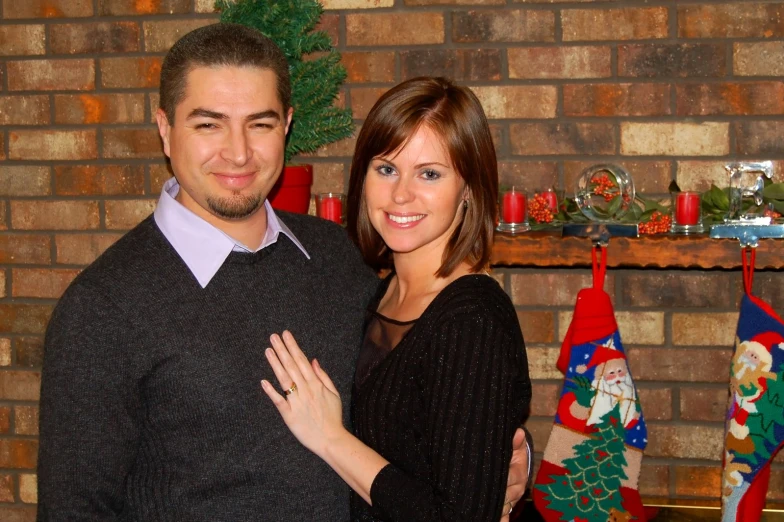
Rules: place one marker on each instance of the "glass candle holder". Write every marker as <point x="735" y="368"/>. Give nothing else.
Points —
<point x="513" y="215"/>
<point x="330" y="206"/>
<point x="686" y="213"/>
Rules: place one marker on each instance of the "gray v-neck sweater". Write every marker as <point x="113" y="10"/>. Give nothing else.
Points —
<point x="151" y="408"/>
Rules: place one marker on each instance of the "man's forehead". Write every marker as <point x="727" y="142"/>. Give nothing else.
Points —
<point x="201" y="89"/>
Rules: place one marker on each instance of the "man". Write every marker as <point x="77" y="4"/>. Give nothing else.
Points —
<point x="151" y="407"/>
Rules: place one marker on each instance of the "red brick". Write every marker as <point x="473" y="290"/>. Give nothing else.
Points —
<point x="537" y="326"/>
<point x="47" y="283"/>
<point x="206" y="6"/>
<point x="54" y="215"/>
<point x="155" y="100"/>
<point x="458" y="64"/>
<point x="52" y="145"/>
<point x="5" y="421"/>
<point x="130" y="72"/>
<point x="107" y="180"/>
<point x="753" y="98"/>
<point x="531" y="176"/>
<point x="51" y="75"/>
<point x="555" y="288"/>
<point x="503" y="25"/>
<point x="614" y="24"/>
<point x="541" y="362"/>
<point x="454" y="2"/>
<point x="5" y="343"/>
<point x="674" y="364"/>
<point x="25" y="249"/>
<point x="27" y="180"/>
<point x="17" y="514"/>
<point x="761" y="138"/>
<point x="704" y="329"/>
<point x="363" y="67"/>
<point x="685" y="441"/>
<point x="356" y="4"/>
<point x="18" y="386"/>
<point x="29" y="351"/>
<point x="627" y="99"/>
<point x="518" y="101"/>
<point x="26" y="420"/>
<point x="24" y="110"/>
<point x="656" y="403"/>
<point x="704" y="404"/>
<point x="6" y="487"/>
<point x="142" y="7"/>
<point x="672" y="60"/>
<point x="758" y="58"/>
<point x="654" y="480"/>
<point x="28" y="488"/>
<point x="562" y="138"/>
<point x="546" y="401"/>
<point x="126" y="214"/>
<point x="330" y="24"/>
<point x="570" y="62"/>
<point x="650" y="177"/>
<point x="159" y="36"/>
<point x="363" y="99"/>
<point x="132" y="143"/>
<point x="3" y="214"/>
<point x="22" y="40"/>
<point x="47" y="9"/>
<point x="18" y="453"/>
<point x="329" y="177"/>
<point x="738" y="20"/>
<point x="698" y="481"/>
<point x="99" y="108"/>
<point x="159" y="174"/>
<point x="387" y="29"/>
<point x="676" y="289"/>
<point x="95" y="37"/>
<point x="3" y="292"/>
<point x="344" y="148"/>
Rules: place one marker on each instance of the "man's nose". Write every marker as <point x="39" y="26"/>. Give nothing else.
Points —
<point x="236" y="149"/>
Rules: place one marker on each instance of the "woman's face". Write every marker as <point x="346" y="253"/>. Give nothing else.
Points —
<point x="414" y="196"/>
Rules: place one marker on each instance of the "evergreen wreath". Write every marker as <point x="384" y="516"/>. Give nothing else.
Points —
<point x="315" y="82"/>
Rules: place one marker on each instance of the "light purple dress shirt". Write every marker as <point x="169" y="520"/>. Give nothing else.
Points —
<point x="202" y="246"/>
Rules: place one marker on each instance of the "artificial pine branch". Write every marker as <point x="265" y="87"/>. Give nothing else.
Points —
<point x="315" y="81"/>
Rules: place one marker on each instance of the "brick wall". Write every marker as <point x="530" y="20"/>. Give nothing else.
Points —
<point x="671" y="90"/>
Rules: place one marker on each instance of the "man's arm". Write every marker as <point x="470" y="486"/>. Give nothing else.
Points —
<point x="520" y="470"/>
<point x="88" y="410"/>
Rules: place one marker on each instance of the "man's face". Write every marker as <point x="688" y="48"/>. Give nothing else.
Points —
<point x="227" y="141"/>
<point x="615" y="371"/>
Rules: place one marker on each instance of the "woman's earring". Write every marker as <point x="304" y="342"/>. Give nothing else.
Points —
<point x="465" y="204"/>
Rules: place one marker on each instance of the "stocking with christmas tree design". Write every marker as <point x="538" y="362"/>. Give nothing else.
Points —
<point x="592" y="460"/>
<point x="754" y="431"/>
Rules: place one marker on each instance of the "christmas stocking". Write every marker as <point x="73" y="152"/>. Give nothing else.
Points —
<point x="754" y="431"/>
<point x="592" y="460"/>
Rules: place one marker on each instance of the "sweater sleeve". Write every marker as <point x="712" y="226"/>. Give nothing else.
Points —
<point x="88" y="410"/>
<point x="477" y="389"/>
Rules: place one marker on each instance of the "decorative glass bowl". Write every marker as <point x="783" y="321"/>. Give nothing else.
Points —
<point x="604" y="192"/>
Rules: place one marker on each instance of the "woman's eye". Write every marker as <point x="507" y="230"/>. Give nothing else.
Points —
<point x="431" y="175"/>
<point x="385" y="170"/>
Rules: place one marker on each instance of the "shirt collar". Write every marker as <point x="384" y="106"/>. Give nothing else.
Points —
<point x="202" y="246"/>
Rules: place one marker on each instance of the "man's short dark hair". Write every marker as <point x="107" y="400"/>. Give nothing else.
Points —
<point x="216" y="45"/>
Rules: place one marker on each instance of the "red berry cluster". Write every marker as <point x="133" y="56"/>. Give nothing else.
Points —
<point x="771" y="213"/>
<point x="603" y="186"/>
<point x="539" y="209"/>
<point x="658" y="224"/>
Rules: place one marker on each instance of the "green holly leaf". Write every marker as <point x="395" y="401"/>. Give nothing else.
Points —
<point x="774" y="191"/>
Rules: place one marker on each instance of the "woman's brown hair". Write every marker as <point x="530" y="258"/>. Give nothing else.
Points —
<point x="455" y="114"/>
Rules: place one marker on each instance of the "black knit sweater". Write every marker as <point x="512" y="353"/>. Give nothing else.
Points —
<point x="151" y="408"/>
<point x="443" y="406"/>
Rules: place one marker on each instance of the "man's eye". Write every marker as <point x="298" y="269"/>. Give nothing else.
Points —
<point x="206" y="126"/>
<point x="262" y="126"/>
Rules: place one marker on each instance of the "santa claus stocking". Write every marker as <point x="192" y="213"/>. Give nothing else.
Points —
<point x="592" y="461"/>
<point x="754" y="430"/>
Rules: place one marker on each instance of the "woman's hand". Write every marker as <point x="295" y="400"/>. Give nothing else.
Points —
<point x="311" y="408"/>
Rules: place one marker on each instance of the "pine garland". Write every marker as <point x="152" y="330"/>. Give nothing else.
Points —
<point x="315" y="82"/>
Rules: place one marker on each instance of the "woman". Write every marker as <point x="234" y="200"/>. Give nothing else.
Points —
<point x="442" y="377"/>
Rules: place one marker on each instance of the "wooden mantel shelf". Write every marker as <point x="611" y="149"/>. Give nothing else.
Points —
<point x="549" y="249"/>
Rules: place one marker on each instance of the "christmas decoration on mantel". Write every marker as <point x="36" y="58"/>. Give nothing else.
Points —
<point x="604" y="191"/>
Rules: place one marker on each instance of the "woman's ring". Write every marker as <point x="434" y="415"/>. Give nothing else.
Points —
<point x="291" y="389"/>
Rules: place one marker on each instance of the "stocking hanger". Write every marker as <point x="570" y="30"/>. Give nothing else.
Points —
<point x="748" y="235"/>
<point x="600" y="233"/>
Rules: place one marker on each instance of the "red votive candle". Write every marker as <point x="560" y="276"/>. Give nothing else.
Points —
<point x="687" y="208"/>
<point x="331" y="207"/>
<point x="551" y="199"/>
<point x="514" y="207"/>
